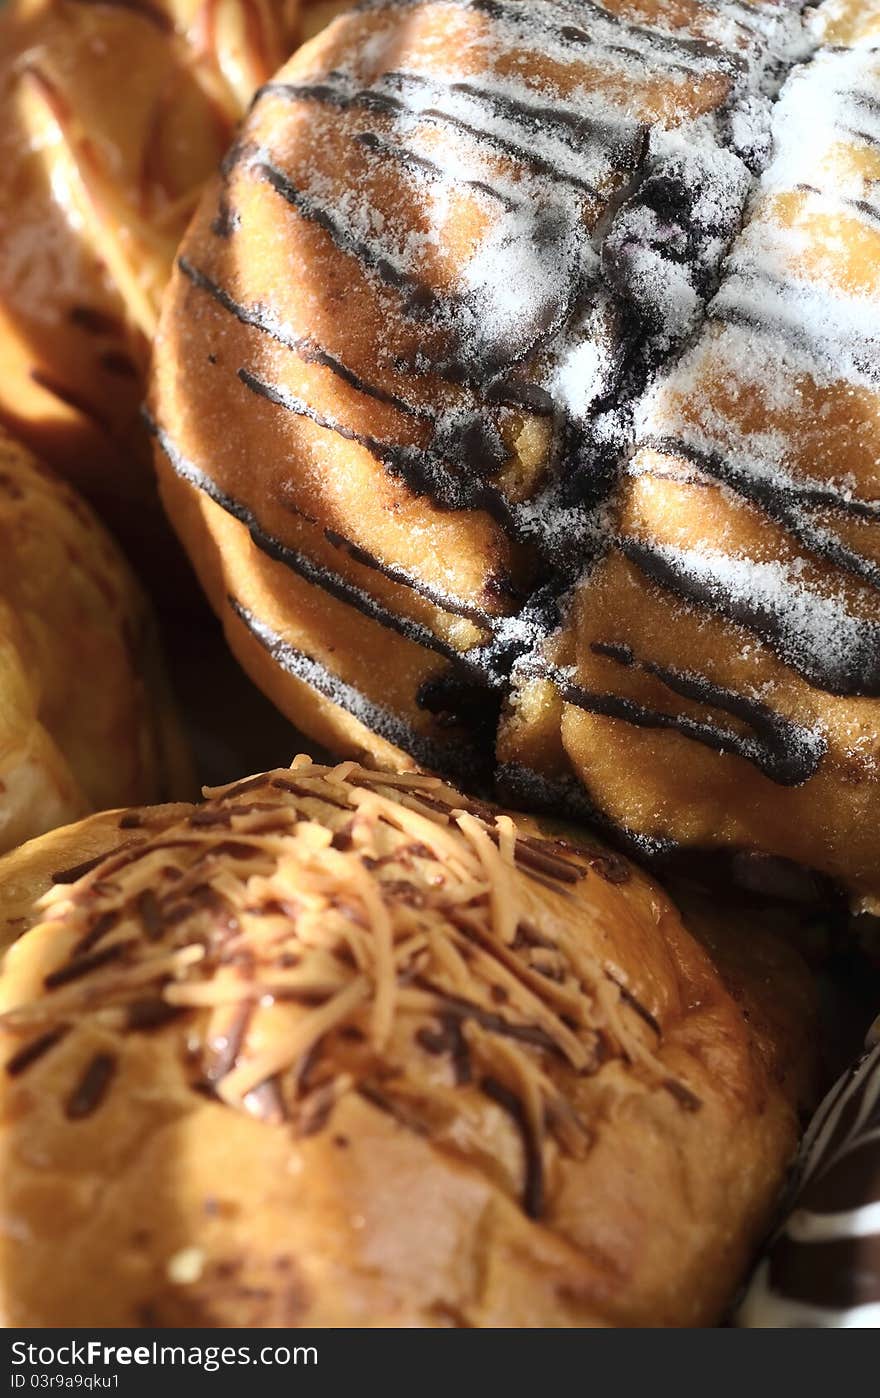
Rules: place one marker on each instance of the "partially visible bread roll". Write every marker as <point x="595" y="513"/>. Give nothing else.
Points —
<point x="86" y="718"/>
<point x="340" y="1047"/>
<point x="716" y="681"/>
<point x="822" y="1270"/>
<point x="111" y="118"/>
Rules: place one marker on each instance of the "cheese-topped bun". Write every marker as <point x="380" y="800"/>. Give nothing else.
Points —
<point x="111" y="118"/>
<point x="401" y="311"/>
<point x="823" y="1269"/>
<point x="86" y="720"/>
<point x="341" y="1047"/>
<point x="717" y="677"/>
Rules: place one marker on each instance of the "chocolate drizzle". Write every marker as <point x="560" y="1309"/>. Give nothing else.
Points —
<point x="446" y="756"/>
<point x="849" y="663"/>
<point x="781" y="749"/>
<point x="593" y="214"/>
<point x="262" y="318"/>
<point x="92" y="1087"/>
<point x="533" y="1189"/>
<point x="34" y="1050"/>
<point x="424" y="472"/>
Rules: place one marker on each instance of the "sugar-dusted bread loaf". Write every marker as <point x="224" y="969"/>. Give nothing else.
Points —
<point x="86" y="719"/>
<point x="395" y="314"/>
<point x="517" y="382"/>
<point x="341" y="1047"/>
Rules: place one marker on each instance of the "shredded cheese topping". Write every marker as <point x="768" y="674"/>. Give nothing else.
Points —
<point x="341" y="930"/>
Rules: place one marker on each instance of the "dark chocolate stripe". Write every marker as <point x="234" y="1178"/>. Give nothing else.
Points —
<point x="315" y="573"/>
<point x="857" y="135"/>
<point x="262" y="318"/>
<point x="32" y="1051"/>
<point x="81" y="966"/>
<point x="387" y="103"/>
<point x="572" y="129"/>
<point x="669" y="50"/>
<point x="857" y="671"/>
<point x="92" y="1087"/>
<point x="448" y="755"/>
<point x="702" y="50"/>
<point x="79" y="871"/>
<point x="837" y="669"/>
<point x="533" y="1188"/>
<point x="767" y="494"/>
<point x="434" y="171"/>
<point x="786" y="324"/>
<point x="443" y="600"/>
<point x="783" y="751"/>
<point x="418" y="295"/>
<point x="191" y="473"/>
<point x="422" y="471"/>
<point x="841" y="201"/>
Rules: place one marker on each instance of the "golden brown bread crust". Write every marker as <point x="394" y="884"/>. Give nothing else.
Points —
<point x="341" y="1047"/>
<point x="98" y="178"/>
<point x="396" y="475"/>
<point x="86" y="718"/>
<point x="370" y="461"/>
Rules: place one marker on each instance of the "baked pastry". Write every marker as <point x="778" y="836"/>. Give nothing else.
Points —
<point x="823" y="1269"/>
<point x="340" y="1047"/>
<point x="70" y="611"/>
<point x="717" y="677"/>
<point x="454" y="432"/>
<point x="98" y="177"/>
<point x="315" y="15"/>
<point x="372" y="457"/>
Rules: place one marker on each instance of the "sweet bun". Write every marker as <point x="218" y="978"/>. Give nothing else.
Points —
<point x="369" y="458"/>
<point x="111" y="118"/>
<point x="340" y="1047"/>
<point x="86" y="720"/>
<point x="823" y="1269"/>
<point x="496" y="459"/>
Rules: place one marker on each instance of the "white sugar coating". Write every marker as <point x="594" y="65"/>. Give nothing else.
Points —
<point x="581" y="376"/>
<point x="588" y="357"/>
<point x="826" y="98"/>
<point x="818" y="630"/>
<point x="597" y="253"/>
<point x="543" y="165"/>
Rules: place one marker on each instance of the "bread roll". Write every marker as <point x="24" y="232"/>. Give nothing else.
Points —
<point x="389" y="327"/>
<point x="86" y="719"/>
<point x="111" y="119"/>
<point x="471" y="398"/>
<point x="341" y="1047"/>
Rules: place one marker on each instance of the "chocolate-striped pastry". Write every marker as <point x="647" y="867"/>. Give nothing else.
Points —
<point x="716" y="679"/>
<point x="341" y="1047"/>
<point x="112" y="115"/>
<point x="385" y="362"/>
<point x="823" y="1269"/>
<point x="86" y="720"/>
